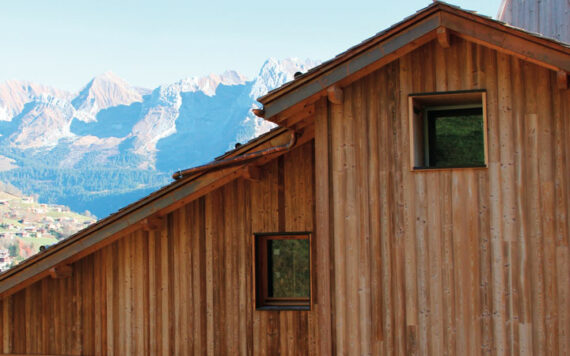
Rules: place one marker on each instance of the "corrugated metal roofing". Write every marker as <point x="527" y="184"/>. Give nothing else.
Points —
<point x="549" y="18"/>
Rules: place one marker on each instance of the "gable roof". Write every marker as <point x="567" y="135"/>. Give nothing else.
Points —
<point x="188" y="187"/>
<point x="346" y="67"/>
<point x="404" y="37"/>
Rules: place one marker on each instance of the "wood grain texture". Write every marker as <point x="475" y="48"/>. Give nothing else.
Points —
<point x="472" y="260"/>
<point x="184" y="288"/>
<point x="440" y="262"/>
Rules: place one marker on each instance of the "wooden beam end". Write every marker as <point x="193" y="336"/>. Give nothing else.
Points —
<point x="59" y="272"/>
<point x="335" y="94"/>
<point x="443" y="37"/>
<point x="152" y="223"/>
<point x="259" y="113"/>
<point x="562" y="79"/>
<point x="252" y="173"/>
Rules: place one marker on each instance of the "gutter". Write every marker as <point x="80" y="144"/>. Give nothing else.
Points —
<point x="237" y="160"/>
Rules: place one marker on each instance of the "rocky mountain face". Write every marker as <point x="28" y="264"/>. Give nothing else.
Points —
<point x="112" y="143"/>
<point x="102" y="92"/>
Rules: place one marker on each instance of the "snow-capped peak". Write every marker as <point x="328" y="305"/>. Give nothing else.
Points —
<point x="104" y="91"/>
<point x="14" y="94"/>
<point x="208" y="84"/>
<point x="275" y="73"/>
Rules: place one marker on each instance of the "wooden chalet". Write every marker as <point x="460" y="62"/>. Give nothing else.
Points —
<point x="399" y="246"/>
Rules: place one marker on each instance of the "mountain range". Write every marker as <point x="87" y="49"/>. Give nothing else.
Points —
<point x="112" y="143"/>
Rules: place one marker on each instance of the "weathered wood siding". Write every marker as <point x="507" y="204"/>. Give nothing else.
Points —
<point x="185" y="289"/>
<point x="443" y="262"/>
<point x="448" y="262"/>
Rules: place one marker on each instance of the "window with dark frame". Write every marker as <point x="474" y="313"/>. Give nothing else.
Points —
<point x="448" y="130"/>
<point x="282" y="271"/>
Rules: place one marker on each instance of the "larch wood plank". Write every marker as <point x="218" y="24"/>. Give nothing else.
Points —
<point x="361" y="156"/>
<point x="385" y="213"/>
<point x="110" y="272"/>
<point x="153" y="293"/>
<point x="349" y="229"/>
<point x="175" y="240"/>
<point x="323" y="233"/>
<point x="518" y="246"/>
<point x="547" y="206"/>
<point x="497" y="256"/>
<point x="338" y="175"/>
<point x="408" y="245"/>
<point x="533" y="206"/>
<point x="533" y="194"/>
<point x="507" y="184"/>
<point x="209" y="239"/>
<point x="373" y="206"/>
<point x="146" y="306"/>
<point x="420" y="220"/>
<point x="138" y="264"/>
<point x="165" y="287"/>
<point x="563" y="274"/>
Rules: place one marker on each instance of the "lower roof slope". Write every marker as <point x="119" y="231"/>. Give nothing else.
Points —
<point x="143" y="212"/>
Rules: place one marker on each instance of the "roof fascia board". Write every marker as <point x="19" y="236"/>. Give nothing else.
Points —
<point x="110" y="229"/>
<point x="487" y="32"/>
<point x="353" y="65"/>
<point x="350" y="53"/>
<point x="495" y="37"/>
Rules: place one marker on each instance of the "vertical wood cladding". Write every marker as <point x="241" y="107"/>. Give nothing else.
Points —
<point x="184" y="289"/>
<point x="443" y="262"/>
<point x="457" y="262"/>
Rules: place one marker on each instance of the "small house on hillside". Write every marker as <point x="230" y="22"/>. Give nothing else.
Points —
<point x="415" y="200"/>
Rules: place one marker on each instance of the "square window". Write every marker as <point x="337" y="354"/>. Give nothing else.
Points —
<point x="448" y="130"/>
<point x="282" y="271"/>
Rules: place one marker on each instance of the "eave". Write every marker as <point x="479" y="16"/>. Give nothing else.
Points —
<point x="139" y="214"/>
<point x="280" y="104"/>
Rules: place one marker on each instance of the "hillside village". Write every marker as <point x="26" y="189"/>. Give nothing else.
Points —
<point x="26" y="226"/>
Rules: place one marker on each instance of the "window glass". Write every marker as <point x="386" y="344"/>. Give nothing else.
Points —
<point x="455" y="138"/>
<point x="282" y="271"/>
<point x="288" y="268"/>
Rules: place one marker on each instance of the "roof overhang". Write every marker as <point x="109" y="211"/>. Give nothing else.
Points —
<point x="402" y="38"/>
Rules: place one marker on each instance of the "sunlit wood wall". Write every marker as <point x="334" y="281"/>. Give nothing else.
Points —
<point x="456" y="262"/>
<point x="185" y="289"/>
<point x="449" y="262"/>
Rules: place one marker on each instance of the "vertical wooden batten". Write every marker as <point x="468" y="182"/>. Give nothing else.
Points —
<point x="443" y="37"/>
<point x="322" y="228"/>
<point x="562" y="79"/>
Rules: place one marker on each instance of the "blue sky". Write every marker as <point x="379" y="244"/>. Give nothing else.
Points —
<point x="65" y="43"/>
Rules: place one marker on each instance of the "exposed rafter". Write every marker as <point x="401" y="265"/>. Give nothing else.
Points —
<point x="443" y="37"/>
<point x="335" y="94"/>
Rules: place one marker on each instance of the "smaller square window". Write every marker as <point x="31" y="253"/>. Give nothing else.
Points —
<point x="448" y="130"/>
<point x="282" y="271"/>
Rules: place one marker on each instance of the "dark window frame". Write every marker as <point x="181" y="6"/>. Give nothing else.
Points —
<point x="261" y="279"/>
<point x="425" y="108"/>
